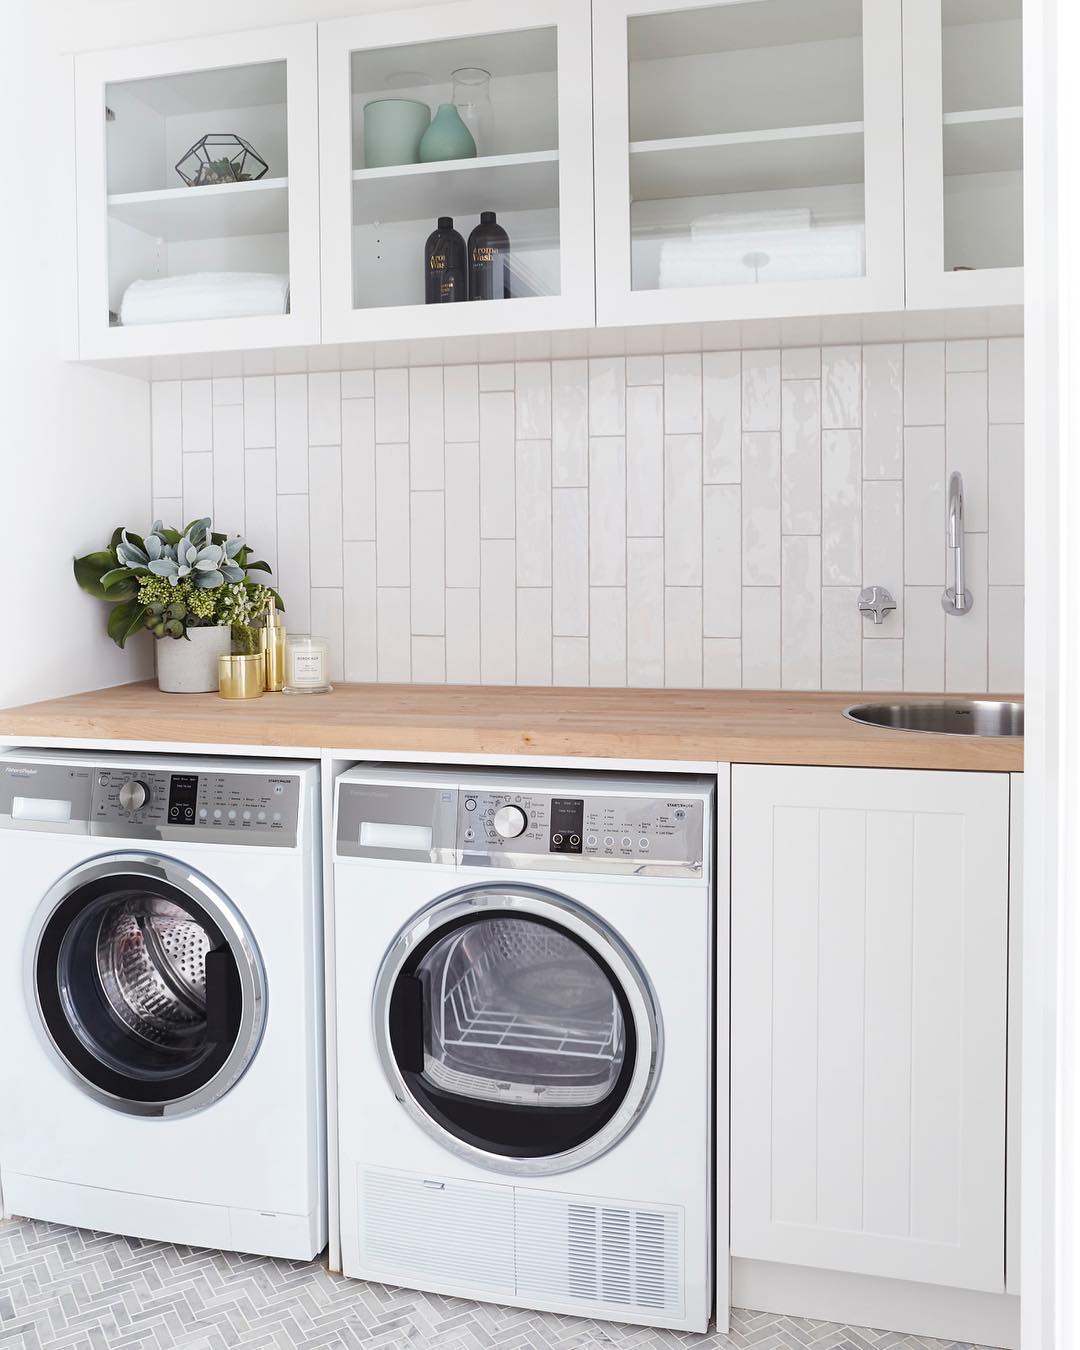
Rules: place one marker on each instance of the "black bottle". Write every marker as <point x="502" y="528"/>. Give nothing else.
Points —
<point x="489" y="255"/>
<point x="446" y="276"/>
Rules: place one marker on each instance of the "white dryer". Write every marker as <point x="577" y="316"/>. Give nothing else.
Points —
<point x="161" y="998"/>
<point x="524" y="1046"/>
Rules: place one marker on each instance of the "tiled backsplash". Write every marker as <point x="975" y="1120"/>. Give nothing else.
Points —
<point x="692" y="519"/>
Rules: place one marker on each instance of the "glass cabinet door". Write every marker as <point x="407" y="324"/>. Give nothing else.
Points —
<point x="748" y="158"/>
<point x="963" y="130"/>
<point x="457" y="169"/>
<point x="198" y="194"/>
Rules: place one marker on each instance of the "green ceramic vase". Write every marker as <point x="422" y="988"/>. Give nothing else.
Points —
<point x="447" y="138"/>
<point x="393" y="129"/>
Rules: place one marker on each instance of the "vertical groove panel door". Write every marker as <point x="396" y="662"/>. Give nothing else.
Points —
<point x="749" y="158"/>
<point x="869" y="985"/>
<point x="963" y="153"/>
<point x="519" y="77"/>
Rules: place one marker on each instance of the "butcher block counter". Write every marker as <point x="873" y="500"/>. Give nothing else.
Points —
<point x="740" y="726"/>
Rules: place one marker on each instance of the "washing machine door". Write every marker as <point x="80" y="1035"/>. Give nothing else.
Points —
<point x="148" y="984"/>
<point x="517" y="1029"/>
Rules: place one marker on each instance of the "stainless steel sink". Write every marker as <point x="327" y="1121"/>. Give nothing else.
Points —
<point x="948" y="716"/>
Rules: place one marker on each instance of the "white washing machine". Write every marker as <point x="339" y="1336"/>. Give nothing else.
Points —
<point x="523" y="971"/>
<point x="161" y="998"/>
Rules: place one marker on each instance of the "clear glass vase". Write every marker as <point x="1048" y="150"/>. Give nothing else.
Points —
<point x="472" y="98"/>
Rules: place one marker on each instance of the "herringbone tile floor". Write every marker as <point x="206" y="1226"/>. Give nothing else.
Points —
<point x="68" y="1289"/>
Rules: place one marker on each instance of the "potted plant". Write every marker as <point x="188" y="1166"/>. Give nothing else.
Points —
<point x="192" y="590"/>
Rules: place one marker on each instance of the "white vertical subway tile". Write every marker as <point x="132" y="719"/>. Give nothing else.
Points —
<point x="227" y="389"/>
<point x="607" y="396"/>
<point x="570" y="662"/>
<point x="761" y="637"/>
<point x="498" y="612"/>
<point x="682" y="637"/>
<point x="428" y="660"/>
<point x="722" y="663"/>
<point x="924" y="506"/>
<point x="607" y="636"/>
<point x="570" y="423"/>
<point x="883" y="385"/>
<point x="461" y="403"/>
<point x="721" y="561"/>
<point x="534" y="635"/>
<point x="198" y="495"/>
<point x="645" y="460"/>
<point x="760" y="511"/>
<point x="260" y="504"/>
<point x="841" y="387"/>
<point x="841" y="638"/>
<point x="294" y="561"/>
<point x="645" y="613"/>
<point x="497" y="466"/>
<point x="533" y="532"/>
<point x="761" y="391"/>
<point x="463" y="635"/>
<point x="841" y="507"/>
<point x="260" y="416"/>
<point x="426" y="428"/>
<point x="883" y="664"/>
<point x="357" y="384"/>
<point x="196" y="428"/>
<point x="166" y="453"/>
<point x="607" y="511"/>
<point x="292" y="433"/>
<point x="966" y="442"/>
<point x="682" y="510"/>
<point x="800" y="620"/>
<point x="924" y="639"/>
<point x="800" y="440"/>
<point x="570" y="562"/>
<point x="966" y="636"/>
<point x="168" y="510"/>
<point x="358" y="468"/>
<point x="324" y="505"/>
<point x="327" y="620"/>
<point x="1006" y="366"/>
<point x="532" y="400"/>
<point x="800" y="363"/>
<point x="682" y="394"/>
<point x="361" y="653"/>
<point x="721" y="401"/>
<point x="462" y="515"/>
<point x="1006" y="505"/>
<point x="324" y="408"/>
<point x="648" y="369"/>
<point x="1006" y="640"/>
<point x="883" y="551"/>
<point x="924" y="383"/>
<point x="229" y="469"/>
<point x="496" y="376"/>
<point x="392" y="406"/>
<point x="427" y="563"/>
<point x="965" y="354"/>
<point x="392" y="514"/>
<point x="393" y="637"/>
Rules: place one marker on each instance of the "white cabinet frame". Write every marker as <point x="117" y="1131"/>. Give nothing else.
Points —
<point x="882" y="288"/>
<point x="574" y="306"/>
<point x="295" y="45"/>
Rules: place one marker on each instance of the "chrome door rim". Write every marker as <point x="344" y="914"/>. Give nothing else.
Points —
<point x="527" y="901"/>
<point x="241" y="944"/>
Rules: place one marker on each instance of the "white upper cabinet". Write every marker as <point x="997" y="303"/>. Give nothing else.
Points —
<point x="528" y="110"/>
<point x="963" y="145"/>
<point x="748" y="158"/>
<point x="154" y="251"/>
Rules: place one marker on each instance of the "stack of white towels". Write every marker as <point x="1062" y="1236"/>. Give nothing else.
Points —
<point x="744" y="247"/>
<point x="205" y="295"/>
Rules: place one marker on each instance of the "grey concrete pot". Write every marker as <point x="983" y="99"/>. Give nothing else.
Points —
<point x="190" y="665"/>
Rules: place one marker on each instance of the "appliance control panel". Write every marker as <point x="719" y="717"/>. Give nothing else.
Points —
<point x="234" y="808"/>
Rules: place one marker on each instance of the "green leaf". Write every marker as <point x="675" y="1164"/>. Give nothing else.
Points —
<point x="259" y="566"/>
<point x="171" y="536"/>
<point x="117" y="535"/>
<point x="89" y="571"/>
<point x="125" y="619"/>
<point x="121" y="583"/>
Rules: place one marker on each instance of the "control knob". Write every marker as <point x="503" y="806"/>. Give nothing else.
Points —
<point x="133" y="795"/>
<point x="510" y="821"/>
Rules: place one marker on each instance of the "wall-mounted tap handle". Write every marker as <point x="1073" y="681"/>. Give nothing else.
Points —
<point x="877" y="601"/>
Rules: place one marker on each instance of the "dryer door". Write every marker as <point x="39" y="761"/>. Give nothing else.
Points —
<point x="148" y="984"/>
<point x="517" y="1029"/>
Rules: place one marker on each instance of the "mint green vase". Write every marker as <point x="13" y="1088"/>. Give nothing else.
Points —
<point x="447" y="138"/>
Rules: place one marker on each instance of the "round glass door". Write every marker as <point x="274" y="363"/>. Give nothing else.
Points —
<point x="148" y="985"/>
<point x="517" y="1029"/>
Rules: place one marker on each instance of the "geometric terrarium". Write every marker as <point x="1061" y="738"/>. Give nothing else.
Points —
<point x="221" y="157"/>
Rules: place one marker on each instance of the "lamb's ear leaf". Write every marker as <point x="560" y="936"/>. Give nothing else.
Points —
<point x="125" y="619"/>
<point x="89" y="571"/>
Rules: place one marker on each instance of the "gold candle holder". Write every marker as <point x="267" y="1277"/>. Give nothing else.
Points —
<point x="242" y="676"/>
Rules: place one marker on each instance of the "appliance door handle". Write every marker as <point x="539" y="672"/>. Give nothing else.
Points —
<point x="407" y="1023"/>
<point x="223" y="996"/>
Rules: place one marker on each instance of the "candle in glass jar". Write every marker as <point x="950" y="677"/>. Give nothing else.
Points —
<point x="306" y="665"/>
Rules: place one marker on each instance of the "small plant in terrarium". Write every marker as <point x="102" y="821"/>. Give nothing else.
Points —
<point x="221" y="157"/>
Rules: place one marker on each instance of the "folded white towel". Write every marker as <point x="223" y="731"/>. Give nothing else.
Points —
<point x="205" y="295"/>
<point x="724" y="259"/>
<point x="728" y="222"/>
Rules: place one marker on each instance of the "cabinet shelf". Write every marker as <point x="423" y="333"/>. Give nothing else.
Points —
<point x="217" y="211"/>
<point x="747" y="161"/>
<point x="520" y="182"/>
<point x="990" y="140"/>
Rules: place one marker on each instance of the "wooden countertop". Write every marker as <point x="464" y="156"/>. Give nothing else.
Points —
<point x="741" y="726"/>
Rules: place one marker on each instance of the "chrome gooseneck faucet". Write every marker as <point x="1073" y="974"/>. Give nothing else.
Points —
<point x="956" y="600"/>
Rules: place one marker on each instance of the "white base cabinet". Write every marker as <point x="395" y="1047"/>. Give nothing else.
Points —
<point x="869" y="958"/>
